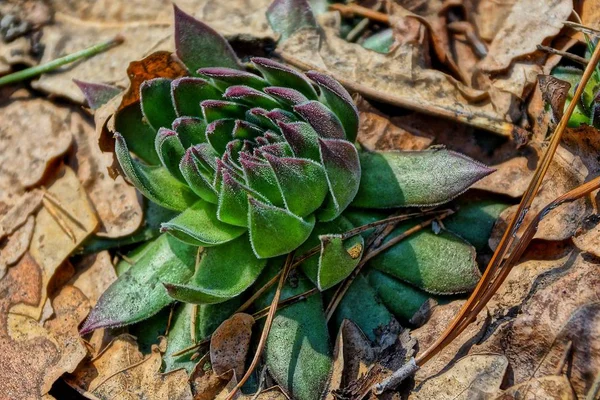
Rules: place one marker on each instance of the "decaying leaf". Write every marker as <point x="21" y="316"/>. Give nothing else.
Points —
<point x="94" y="274"/>
<point x="121" y="371"/>
<point x="16" y="216"/>
<point x="59" y="228"/>
<point x="547" y="387"/>
<point x="229" y="344"/>
<point x="16" y="245"/>
<point x="587" y="238"/>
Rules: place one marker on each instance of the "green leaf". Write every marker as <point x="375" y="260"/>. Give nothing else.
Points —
<point x="278" y="74"/>
<point x="191" y="169"/>
<point x="415" y="178"/>
<point x="154" y="182"/>
<point x="199" y="46"/>
<point x="170" y="151"/>
<point x="361" y="305"/>
<point x="138" y="293"/>
<point x="138" y="134"/>
<point x="303" y="140"/>
<point x="288" y="16"/>
<point x="225" y="77"/>
<point x="199" y="226"/>
<point x="275" y="231"/>
<point x="224" y="272"/>
<point x="156" y="102"/>
<point x="187" y="93"/>
<point x="338" y="259"/>
<point x="439" y="264"/>
<point x="191" y="131"/>
<point x="261" y="177"/>
<point x="474" y="221"/>
<point x="297" y="351"/>
<point x="233" y="200"/>
<point x="322" y="119"/>
<point x="402" y="299"/>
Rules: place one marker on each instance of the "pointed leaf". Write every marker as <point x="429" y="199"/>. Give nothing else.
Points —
<point x="338" y="259"/>
<point x="225" y="77"/>
<point x="303" y="140"/>
<point x="275" y="231"/>
<point x="199" y="226"/>
<point x="417" y="260"/>
<point x="250" y="96"/>
<point x="258" y="116"/>
<point x="191" y="131"/>
<point x="224" y="272"/>
<point x="219" y="133"/>
<point x="278" y="74"/>
<point x="156" y="183"/>
<point x="97" y="94"/>
<point x="197" y="181"/>
<point x="302" y="183"/>
<point x="199" y="46"/>
<point x="415" y="178"/>
<point x="339" y="101"/>
<point x="288" y="96"/>
<point x="322" y="119"/>
<point x="138" y="134"/>
<point x="261" y="177"/>
<point x="187" y="93"/>
<point x="138" y="293"/>
<point x="217" y="109"/>
<point x="288" y="16"/>
<point x="246" y="130"/>
<point x="340" y="159"/>
<point x="156" y="102"/>
<point x="170" y="151"/>
<point x="233" y="201"/>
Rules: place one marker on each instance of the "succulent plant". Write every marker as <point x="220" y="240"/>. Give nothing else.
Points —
<point x="254" y="161"/>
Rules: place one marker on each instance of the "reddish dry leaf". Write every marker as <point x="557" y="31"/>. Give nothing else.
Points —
<point x="229" y="344"/>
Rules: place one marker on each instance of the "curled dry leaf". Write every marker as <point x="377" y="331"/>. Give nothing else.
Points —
<point x="475" y="376"/>
<point x="229" y="344"/>
<point x="16" y="245"/>
<point x="121" y="368"/>
<point x="33" y="134"/>
<point x="58" y="232"/>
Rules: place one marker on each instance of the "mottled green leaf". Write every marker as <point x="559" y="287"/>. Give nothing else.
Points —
<point x="415" y="178"/>
<point x="138" y="293"/>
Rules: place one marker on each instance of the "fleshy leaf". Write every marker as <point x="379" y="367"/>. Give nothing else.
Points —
<point x="322" y="119"/>
<point x="288" y="16"/>
<point x="199" y="226"/>
<point x="138" y="293"/>
<point x="199" y="46"/>
<point x="275" y="231"/>
<point x="439" y="264"/>
<point x="156" y="183"/>
<point x="302" y="183"/>
<point x="156" y="102"/>
<point x="278" y="74"/>
<point x="339" y="101"/>
<point x="138" y="134"/>
<point x="261" y="177"/>
<point x="338" y="259"/>
<point x="245" y="130"/>
<point x="250" y="96"/>
<point x="303" y="140"/>
<point x="340" y="159"/>
<point x="219" y="133"/>
<point x="286" y="95"/>
<point x="218" y="109"/>
<point x="97" y="94"/>
<point x="258" y="116"/>
<point x="415" y="178"/>
<point x="191" y="130"/>
<point x="233" y="201"/>
<point x="170" y="151"/>
<point x="225" y="77"/>
<point x="187" y="93"/>
<point x="224" y="272"/>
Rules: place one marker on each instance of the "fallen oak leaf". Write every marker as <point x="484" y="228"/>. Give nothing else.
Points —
<point x="229" y="344"/>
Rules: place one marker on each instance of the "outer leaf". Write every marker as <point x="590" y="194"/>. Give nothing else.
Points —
<point x="97" y="94"/>
<point x="415" y="178"/>
<point x="286" y="95"/>
<point x="288" y="16"/>
<point x="339" y="101"/>
<point x="341" y="162"/>
<point x="322" y="119"/>
<point x="138" y="294"/>
<point x="156" y="102"/>
<point x="250" y="96"/>
<point x="199" y="46"/>
<point x="138" y="134"/>
<point x="225" y="77"/>
<point x="154" y="182"/>
<point x="439" y="264"/>
<point x="361" y="305"/>
<point x="275" y="231"/>
<point x="338" y="259"/>
<point x="170" y="151"/>
<point x="199" y="226"/>
<point x="278" y="74"/>
<point x="297" y="352"/>
<point x="401" y="299"/>
<point x="187" y="93"/>
<point x="224" y="272"/>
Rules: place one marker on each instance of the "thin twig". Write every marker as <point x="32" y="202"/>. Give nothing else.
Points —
<point x="349" y="10"/>
<point x="59" y="62"/>
<point x="267" y="328"/>
<point x="565" y="54"/>
<point x="56" y="217"/>
<point x="582" y="28"/>
<point x="286" y="303"/>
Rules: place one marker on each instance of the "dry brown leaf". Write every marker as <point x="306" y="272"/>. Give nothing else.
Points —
<point x="95" y="273"/>
<point x="51" y="244"/>
<point x="33" y="133"/>
<point x="16" y="245"/>
<point x="122" y="372"/>
<point x="472" y="377"/>
<point x="117" y="204"/>
<point x="229" y="344"/>
<point x="511" y="176"/>
<point x="529" y="23"/>
<point x="547" y="388"/>
<point x="16" y="216"/>
<point x="587" y="237"/>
